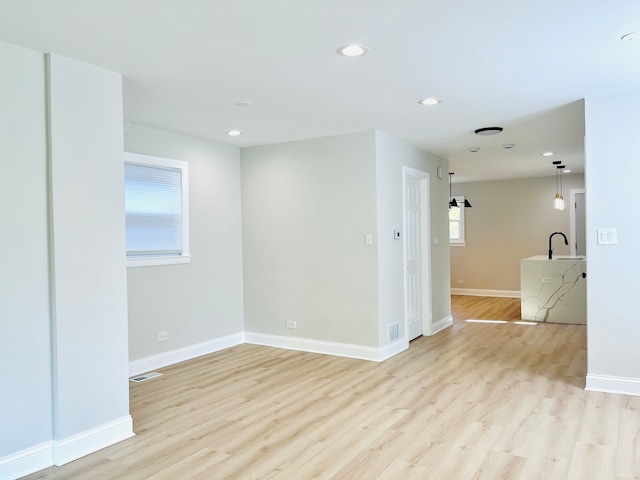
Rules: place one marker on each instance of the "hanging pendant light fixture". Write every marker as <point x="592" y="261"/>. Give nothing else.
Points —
<point x="560" y="169"/>
<point x="558" y="201"/>
<point x="452" y="201"/>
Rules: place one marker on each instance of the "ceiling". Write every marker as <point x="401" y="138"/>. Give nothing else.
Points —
<point x="521" y="65"/>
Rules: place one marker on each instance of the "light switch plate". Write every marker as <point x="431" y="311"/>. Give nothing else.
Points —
<point x="607" y="236"/>
<point x="368" y="239"/>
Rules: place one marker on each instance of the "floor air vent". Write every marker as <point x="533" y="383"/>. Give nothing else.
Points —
<point x="146" y="376"/>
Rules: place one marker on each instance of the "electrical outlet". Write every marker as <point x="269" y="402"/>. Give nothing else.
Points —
<point x="162" y="336"/>
<point x="291" y="324"/>
<point x="546" y="279"/>
<point x="460" y="281"/>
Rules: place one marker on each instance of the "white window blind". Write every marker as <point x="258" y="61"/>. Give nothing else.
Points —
<point x="154" y="213"/>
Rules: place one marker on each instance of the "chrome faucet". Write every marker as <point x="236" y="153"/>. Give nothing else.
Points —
<point x="566" y="242"/>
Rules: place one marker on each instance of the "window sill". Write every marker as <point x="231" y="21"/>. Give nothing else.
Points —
<point x="459" y="244"/>
<point x="154" y="261"/>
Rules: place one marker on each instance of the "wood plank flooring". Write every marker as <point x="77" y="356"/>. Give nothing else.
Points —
<point x="475" y="401"/>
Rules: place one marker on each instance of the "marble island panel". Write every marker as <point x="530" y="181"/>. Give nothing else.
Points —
<point x="553" y="290"/>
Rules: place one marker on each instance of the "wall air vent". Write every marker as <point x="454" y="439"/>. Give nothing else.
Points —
<point x="393" y="332"/>
<point x="145" y="377"/>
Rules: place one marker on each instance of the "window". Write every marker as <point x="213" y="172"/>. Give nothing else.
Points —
<point x="157" y="211"/>
<point x="456" y="223"/>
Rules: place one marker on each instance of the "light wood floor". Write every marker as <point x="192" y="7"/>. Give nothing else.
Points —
<point x="476" y="401"/>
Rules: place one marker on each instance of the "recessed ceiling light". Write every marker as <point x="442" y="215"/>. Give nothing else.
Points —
<point x="488" y="131"/>
<point x="631" y="36"/>
<point x="243" y="103"/>
<point x="352" y="50"/>
<point x="234" y="133"/>
<point x="508" y="146"/>
<point x="474" y="149"/>
<point x="566" y="170"/>
<point x="547" y="154"/>
<point x="429" y="101"/>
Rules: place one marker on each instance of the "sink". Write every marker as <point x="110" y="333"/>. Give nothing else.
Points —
<point x="568" y="258"/>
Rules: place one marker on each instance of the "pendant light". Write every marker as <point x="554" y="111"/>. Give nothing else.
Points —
<point x="559" y="169"/>
<point x="452" y="201"/>
<point x="558" y="201"/>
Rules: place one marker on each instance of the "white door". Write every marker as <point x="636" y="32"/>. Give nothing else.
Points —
<point x="413" y="258"/>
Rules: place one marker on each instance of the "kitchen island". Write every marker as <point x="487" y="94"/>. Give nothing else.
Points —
<point x="553" y="290"/>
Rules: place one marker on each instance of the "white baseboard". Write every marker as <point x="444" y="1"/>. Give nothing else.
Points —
<point x="315" y="346"/>
<point x="441" y="324"/>
<point x="76" y="446"/>
<point x="608" y="384"/>
<point x="392" y="349"/>
<point x="485" y="293"/>
<point x="27" y="461"/>
<point x="147" y="364"/>
<point x="66" y="450"/>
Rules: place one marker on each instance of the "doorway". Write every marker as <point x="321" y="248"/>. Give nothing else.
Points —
<point x="417" y="253"/>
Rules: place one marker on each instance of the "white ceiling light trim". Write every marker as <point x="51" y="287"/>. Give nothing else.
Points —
<point x="352" y="50"/>
<point x="547" y="154"/>
<point x="234" y="133"/>
<point x="429" y="101"/>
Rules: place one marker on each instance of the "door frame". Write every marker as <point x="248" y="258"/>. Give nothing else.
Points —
<point x="425" y="246"/>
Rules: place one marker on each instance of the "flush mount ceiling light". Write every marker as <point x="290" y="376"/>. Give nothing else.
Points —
<point x="631" y="36"/>
<point x="234" y="133"/>
<point x="548" y="154"/>
<point x="429" y="101"/>
<point x="488" y="131"/>
<point x="352" y="50"/>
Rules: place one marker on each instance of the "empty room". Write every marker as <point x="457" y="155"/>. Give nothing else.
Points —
<point x="319" y="241"/>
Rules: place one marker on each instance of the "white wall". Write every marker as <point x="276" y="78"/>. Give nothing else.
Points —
<point x="391" y="156"/>
<point x="307" y="206"/>
<point x="25" y="355"/>
<point x="63" y="282"/>
<point x="201" y="301"/>
<point x="89" y="315"/>
<point x="612" y="172"/>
